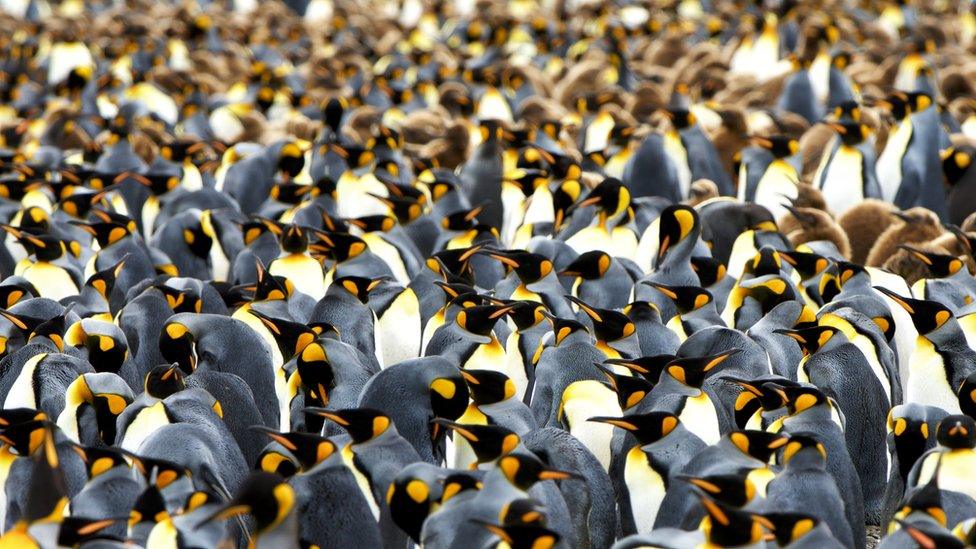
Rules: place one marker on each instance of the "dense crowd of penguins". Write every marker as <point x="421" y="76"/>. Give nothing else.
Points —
<point x="468" y="273"/>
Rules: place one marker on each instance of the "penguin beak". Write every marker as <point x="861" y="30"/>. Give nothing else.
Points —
<point x="761" y="142"/>
<point x="615" y="421"/>
<point x="839" y="128"/>
<point x="555" y="474"/>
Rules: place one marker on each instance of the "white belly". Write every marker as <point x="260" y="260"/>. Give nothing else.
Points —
<point x="927" y="382"/>
<point x="777" y="186"/>
<point x="303" y="271"/>
<point x="889" y="163"/>
<point x="400" y="326"/>
<point x="583" y="400"/>
<point x="700" y="418"/>
<point x="646" y="489"/>
<point x="676" y="150"/>
<point x="843" y="186"/>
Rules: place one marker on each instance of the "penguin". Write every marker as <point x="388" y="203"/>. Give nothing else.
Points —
<point x="609" y="230"/>
<point x="481" y="177"/>
<point x="956" y="167"/>
<point x="433" y="386"/>
<point x="801" y="530"/>
<point x="941" y="359"/>
<point x="534" y="279"/>
<point x="494" y="400"/>
<point x="295" y="263"/>
<point x="695" y="307"/>
<point x="214" y="343"/>
<point x="804" y="485"/>
<point x="810" y="411"/>
<point x="598" y="278"/>
<point x="665" y="252"/>
<point x="846" y="175"/>
<point x="780" y="179"/>
<point x="271" y="502"/>
<point x="663" y="446"/>
<point x="343" y="306"/>
<point x="107" y="394"/>
<point x="375" y="454"/>
<point x="943" y="464"/>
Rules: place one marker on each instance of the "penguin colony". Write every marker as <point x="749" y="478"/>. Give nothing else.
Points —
<point x="465" y="274"/>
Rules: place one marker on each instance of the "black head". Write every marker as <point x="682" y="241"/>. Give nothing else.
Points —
<point x="647" y="428"/>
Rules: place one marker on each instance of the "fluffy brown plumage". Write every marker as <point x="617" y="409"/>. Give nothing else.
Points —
<point x="912" y="226"/>
<point x="815" y="225"/>
<point x="863" y="224"/>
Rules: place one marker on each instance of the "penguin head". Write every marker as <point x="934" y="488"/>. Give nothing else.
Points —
<point x="608" y="325"/>
<point x="374" y="223"/>
<point x="726" y="526"/>
<point x="357" y="286"/>
<point x="810" y="339"/>
<point x="733" y="489"/>
<point x="685" y="298"/>
<point x="925" y="534"/>
<point x="564" y="330"/>
<point x="564" y="197"/>
<point x="164" y="380"/>
<point x="362" y="424"/>
<point x="488" y="386"/>
<point x="849" y="110"/>
<point x="679" y="229"/>
<point x="160" y="473"/>
<point x="938" y="265"/>
<point x="760" y="445"/>
<point x="956" y="162"/>
<point x="338" y="246"/>
<point x="52" y="329"/>
<point x="264" y="496"/>
<point x="291" y="337"/>
<point x="611" y="197"/>
<point x="647" y="428"/>
<point x="681" y="118"/>
<point x="754" y="396"/>
<point x="291" y="160"/>
<point x="13" y="291"/>
<point x="798" y="398"/>
<point x="412" y="496"/>
<point x="852" y="133"/>
<point x="808" y="264"/>
<point x="529" y="267"/>
<point x="106" y="393"/>
<point x="292" y="238"/>
<point x="692" y="371"/>
<point x="26" y="437"/>
<point x="42" y="246"/>
<point x="332" y="112"/>
<point x="957" y="432"/>
<point x="98" y="460"/>
<point x="148" y="507"/>
<point x="462" y="220"/>
<point x="928" y="316"/>
<point x="522" y="536"/>
<point x="780" y="146"/>
<point x="769" y="291"/>
<point x="309" y="448"/>
<point x="648" y="367"/>
<point x="897" y="103"/>
<point x="791" y="527"/>
<point x="918" y="101"/>
<point x="766" y="261"/>
<point x="481" y="319"/>
<point x="106" y="233"/>
<point x="178" y="344"/>
<point x="103" y="281"/>
<point x="590" y="265"/>
<point x="709" y="270"/>
<point x="967" y="395"/>
<point x="103" y="342"/>
<point x="185" y="300"/>
<point x="355" y="156"/>
<point x="523" y="470"/>
<point x="630" y="389"/>
<point x="75" y="531"/>
<point x="158" y="184"/>
<point x="456" y="483"/>
<point x="803" y="449"/>
<point x="526" y="314"/>
<point x="489" y="442"/>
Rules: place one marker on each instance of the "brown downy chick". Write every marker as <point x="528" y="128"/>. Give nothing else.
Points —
<point x="807" y="197"/>
<point x="818" y="225"/>
<point x="863" y="224"/>
<point x="913" y="226"/>
<point x="700" y="191"/>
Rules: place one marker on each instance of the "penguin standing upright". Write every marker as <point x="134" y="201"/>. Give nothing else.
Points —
<point x="846" y="175"/>
<point x="481" y="177"/>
